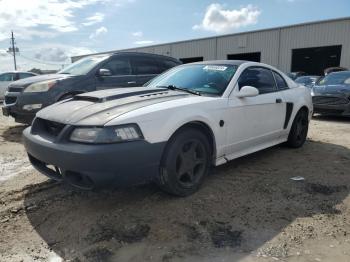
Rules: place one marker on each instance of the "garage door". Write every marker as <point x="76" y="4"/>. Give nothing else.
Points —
<point x="314" y="60"/>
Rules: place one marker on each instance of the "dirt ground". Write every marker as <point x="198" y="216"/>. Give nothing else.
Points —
<point x="247" y="210"/>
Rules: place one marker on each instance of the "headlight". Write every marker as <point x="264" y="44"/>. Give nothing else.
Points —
<point x="312" y="92"/>
<point x="105" y="135"/>
<point x="40" y="86"/>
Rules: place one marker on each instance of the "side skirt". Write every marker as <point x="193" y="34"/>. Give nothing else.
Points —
<point x="224" y="159"/>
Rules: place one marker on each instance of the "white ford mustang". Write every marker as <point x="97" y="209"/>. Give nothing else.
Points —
<point x="171" y="131"/>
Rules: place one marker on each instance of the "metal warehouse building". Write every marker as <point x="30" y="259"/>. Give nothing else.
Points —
<point x="309" y="47"/>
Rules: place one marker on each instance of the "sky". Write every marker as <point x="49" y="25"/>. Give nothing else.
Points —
<point x="49" y="32"/>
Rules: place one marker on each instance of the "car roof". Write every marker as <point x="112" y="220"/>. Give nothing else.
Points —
<point x="222" y="62"/>
<point x="145" y="54"/>
<point x="16" y="72"/>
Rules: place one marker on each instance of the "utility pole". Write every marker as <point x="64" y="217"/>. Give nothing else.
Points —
<point x="13" y="50"/>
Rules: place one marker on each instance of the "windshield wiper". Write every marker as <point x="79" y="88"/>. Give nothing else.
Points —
<point x="172" y="87"/>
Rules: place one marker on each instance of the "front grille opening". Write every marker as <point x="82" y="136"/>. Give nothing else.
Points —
<point x="10" y="100"/>
<point x="48" y="170"/>
<point x="42" y="126"/>
<point x="325" y="100"/>
<point x="15" y="89"/>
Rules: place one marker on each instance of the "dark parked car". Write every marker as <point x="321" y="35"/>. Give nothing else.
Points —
<point x="331" y="95"/>
<point x="124" y="69"/>
<point x="308" y="81"/>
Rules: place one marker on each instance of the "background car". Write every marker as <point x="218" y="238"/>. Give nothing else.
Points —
<point x="124" y="69"/>
<point x="8" y="77"/>
<point x="295" y="75"/>
<point x="331" y="95"/>
<point x="172" y="131"/>
<point x="308" y="81"/>
<point x="330" y="70"/>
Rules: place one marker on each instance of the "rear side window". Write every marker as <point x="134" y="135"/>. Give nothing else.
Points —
<point x="7" y="77"/>
<point x="281" y="83"/>
<point x="118" y="66"/>
<point x="145" y="66"/>
<point x="258" y="77"/>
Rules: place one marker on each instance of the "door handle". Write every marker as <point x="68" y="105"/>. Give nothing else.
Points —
<point x="131" y="82"/>
<point x="278" y="100"/>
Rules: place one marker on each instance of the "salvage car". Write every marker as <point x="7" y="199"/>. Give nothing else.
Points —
<point x="308" y="81"/>
<point x="331" y="95"/>
<point x="172" y="130"/>
<point x="122" y="69"/>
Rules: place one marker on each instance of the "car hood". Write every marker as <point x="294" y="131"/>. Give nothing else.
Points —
<point x="99" y="107"/>
<point x="34" y="79"/>
<point x="335" y="90"/>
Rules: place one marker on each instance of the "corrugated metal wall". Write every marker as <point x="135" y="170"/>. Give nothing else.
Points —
<point x="315" y="35"/>
<point x="275" y="45"/>
<point x="265" y="42"/>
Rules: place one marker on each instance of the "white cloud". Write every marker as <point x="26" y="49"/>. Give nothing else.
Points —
<point x="218" y="19"/>
<point x="144" y="42"/>
<point x="48" y="56"/>
<point x="137" y="34"/>
<point x="54" y="16"/>
<point x="96" y="18"/>
<point x="99" y="31"/>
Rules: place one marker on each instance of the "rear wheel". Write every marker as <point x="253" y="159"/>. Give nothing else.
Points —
<point x="185" y="163"/>
<point x="298" y="132"/>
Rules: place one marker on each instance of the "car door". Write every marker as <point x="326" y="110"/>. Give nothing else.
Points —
<point x="255" y="122"/>
<point x="5" y="80"/>
<point x="121" y="74"/>
<point x="145" y="68"/>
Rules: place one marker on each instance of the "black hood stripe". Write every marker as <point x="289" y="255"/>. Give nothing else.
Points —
<point x="142" y="93"/>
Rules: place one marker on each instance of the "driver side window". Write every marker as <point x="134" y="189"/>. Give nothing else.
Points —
<point x="258" y="77"/>
<point x="118" y="66"/>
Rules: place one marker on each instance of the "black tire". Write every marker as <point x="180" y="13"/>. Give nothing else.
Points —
<point x="298" y="132"/>
<point x="185" y="162"/>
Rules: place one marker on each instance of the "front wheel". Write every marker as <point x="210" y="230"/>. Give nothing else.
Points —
<point x="298" y="132"/>
<point x="185" y="163"/>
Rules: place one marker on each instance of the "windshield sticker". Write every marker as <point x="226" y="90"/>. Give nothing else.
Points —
<point x="215" y="68"/>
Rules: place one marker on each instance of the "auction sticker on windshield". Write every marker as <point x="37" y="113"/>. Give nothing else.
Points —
<point x="215" y="68"/>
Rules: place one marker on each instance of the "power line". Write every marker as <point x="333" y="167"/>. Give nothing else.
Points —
<point x="43" y="62"/>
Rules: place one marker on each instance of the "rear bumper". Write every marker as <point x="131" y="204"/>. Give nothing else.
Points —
<point x="94" y="166"/>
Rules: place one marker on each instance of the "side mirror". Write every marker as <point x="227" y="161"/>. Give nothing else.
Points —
<point x="104" y="72"/>
<point x="247" y="91"/>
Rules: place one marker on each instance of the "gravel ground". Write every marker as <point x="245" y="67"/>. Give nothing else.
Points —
<point x="247" y="210"/>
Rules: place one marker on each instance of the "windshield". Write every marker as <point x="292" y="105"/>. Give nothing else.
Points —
<point x="83" y="66"/>
<point x="336" y="79"/>
<point x="207" y="79"/>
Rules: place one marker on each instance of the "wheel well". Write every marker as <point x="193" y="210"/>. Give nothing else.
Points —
<point x="304" y="108"/>
<point x="205" y="129"/>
